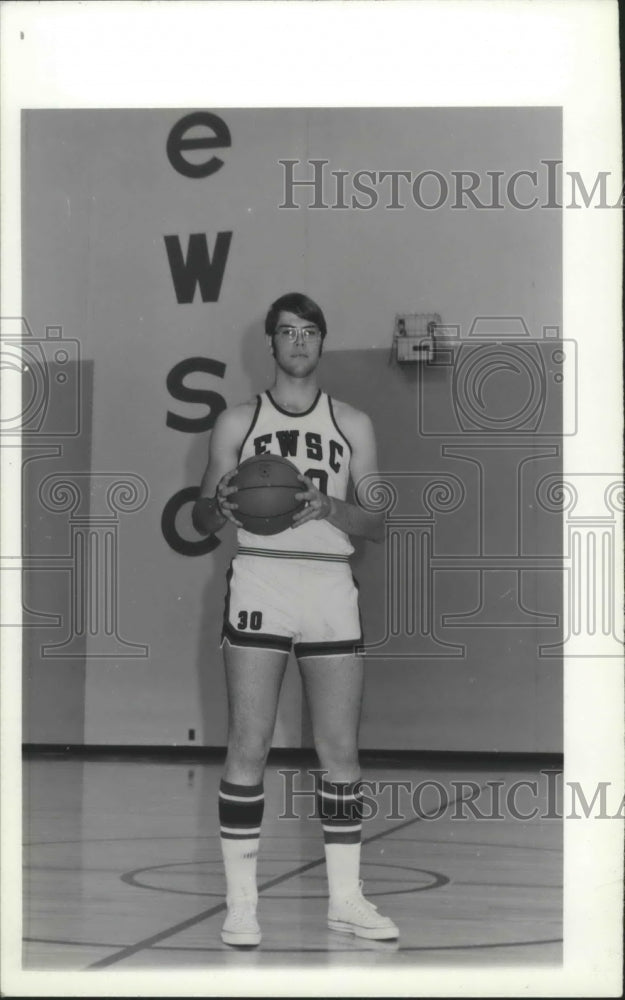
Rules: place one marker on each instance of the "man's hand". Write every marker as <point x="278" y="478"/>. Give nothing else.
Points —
<point x="224" y="490"/>
<point x="318" y="505"/>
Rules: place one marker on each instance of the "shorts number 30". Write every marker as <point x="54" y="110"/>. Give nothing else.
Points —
<point x="255" y="620"/>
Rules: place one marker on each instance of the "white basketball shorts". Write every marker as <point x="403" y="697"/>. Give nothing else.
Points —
<point x="277" y="602"/>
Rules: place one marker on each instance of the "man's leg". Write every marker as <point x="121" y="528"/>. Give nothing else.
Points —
<point x="253" y="680"/>
<point x="334" y="686"/>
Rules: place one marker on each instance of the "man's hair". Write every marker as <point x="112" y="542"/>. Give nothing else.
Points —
<point x="300" y="305"/>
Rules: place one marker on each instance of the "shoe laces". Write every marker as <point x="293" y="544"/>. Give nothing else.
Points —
<point x="358" y="901"/>
<point x="241" y="910"/>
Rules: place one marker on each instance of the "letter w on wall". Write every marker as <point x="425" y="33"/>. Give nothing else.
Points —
<point x="198" y="268"/>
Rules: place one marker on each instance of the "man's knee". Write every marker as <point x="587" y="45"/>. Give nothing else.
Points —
<point x="337" y="752"/>
<point x="248" y="748"/>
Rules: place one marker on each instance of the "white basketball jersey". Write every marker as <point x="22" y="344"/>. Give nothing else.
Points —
<point x="313" y="442"/>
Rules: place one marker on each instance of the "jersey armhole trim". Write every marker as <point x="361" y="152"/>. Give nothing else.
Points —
<point x="250" y="428"/>
<point x="333" y="418"/>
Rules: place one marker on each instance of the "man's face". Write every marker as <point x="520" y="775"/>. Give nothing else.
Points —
<point x="296" y="345"/>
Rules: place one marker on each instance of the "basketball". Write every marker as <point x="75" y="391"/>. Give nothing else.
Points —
<point x="266" y="486"/>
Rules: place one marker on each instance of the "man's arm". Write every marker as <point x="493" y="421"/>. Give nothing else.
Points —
<point x="349" y="517"/>
<point x="213" y="508"/>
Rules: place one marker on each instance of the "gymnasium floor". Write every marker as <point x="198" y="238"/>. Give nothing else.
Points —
<point x="122" y="868"/>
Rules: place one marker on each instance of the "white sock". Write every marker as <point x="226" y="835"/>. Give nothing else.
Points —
<point x="240" y="857"/>
<point x="343" y="868"/>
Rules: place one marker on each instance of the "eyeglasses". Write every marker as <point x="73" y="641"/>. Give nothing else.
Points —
<point x="291" y="333"/>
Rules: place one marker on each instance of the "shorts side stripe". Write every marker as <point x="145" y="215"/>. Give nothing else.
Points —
<point x="227" y="598"/>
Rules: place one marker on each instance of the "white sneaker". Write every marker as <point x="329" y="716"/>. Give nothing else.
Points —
<point x="354" y="914"/>
<point x="241" y="926"/>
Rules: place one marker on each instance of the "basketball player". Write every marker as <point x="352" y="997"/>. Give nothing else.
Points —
<point x="295" y="589"/>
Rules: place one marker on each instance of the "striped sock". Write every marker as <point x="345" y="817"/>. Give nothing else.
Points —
<point x="339" y="806"/>
<point x="240" y="816"/>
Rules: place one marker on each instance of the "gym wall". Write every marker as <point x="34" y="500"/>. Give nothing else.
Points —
<point x="124" y="601"/>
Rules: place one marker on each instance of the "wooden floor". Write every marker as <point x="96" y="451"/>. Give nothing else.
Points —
<point x="123" y="871"/>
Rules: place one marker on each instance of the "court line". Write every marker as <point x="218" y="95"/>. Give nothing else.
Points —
<point x="510" y="885"/>
<point x="153" y="939"/>
<point x="437" y="881"/>
<point x="114" y="840"/>
<point x="276" y="836"/>
<point x="482" y="843"/>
